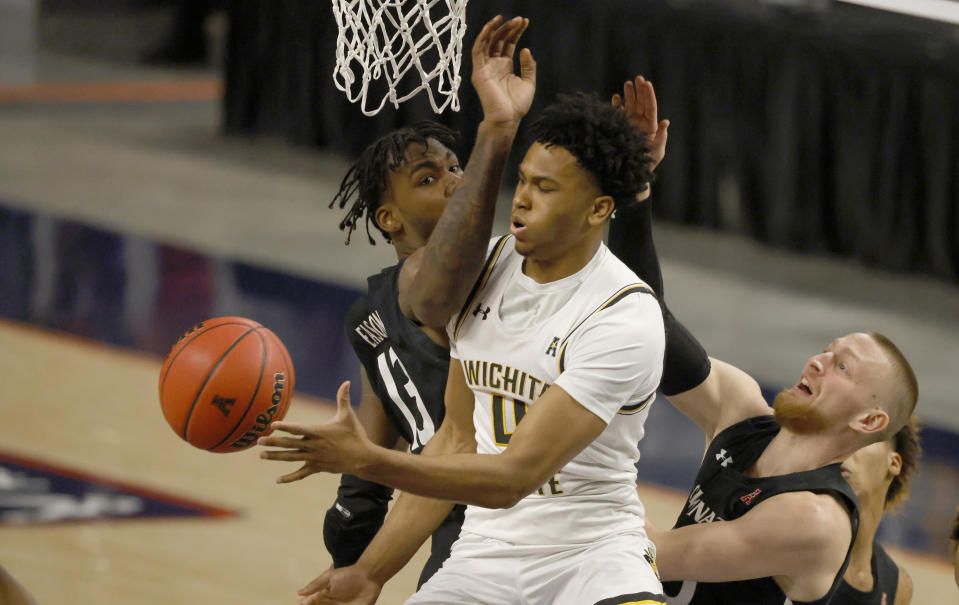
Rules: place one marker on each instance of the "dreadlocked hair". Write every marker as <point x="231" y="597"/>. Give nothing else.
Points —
<point x="603" y="141"/>
<point x="368" y="178"/>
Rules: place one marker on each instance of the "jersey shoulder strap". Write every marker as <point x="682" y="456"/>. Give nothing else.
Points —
<point x="622" y="293"/>
<point x="496" y="250"/>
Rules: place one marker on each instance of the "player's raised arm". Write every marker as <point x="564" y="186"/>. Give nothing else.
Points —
<point x="437" y="278"/>
<point x="727" y="396"/>
<point x="713" y="396"/>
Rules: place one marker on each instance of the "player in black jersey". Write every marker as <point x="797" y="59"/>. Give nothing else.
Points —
<point x="879" y="474"/>
<point x="410" y="186"/>
<point x="770" y="514"/>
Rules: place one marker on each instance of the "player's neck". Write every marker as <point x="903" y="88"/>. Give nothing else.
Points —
<point x="859" y="572"/>
<point x="404" y="248"/>
<point x="871" y="509"/>
<point x="790" y="452"/>
<point x="545" y="270"/>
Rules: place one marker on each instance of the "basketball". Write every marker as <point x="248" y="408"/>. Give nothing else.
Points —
<point x="224" y="382"/>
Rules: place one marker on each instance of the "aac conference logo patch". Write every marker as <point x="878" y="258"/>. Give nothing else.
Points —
<point x="36" y="492"/>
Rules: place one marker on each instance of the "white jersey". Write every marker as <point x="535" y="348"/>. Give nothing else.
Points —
<point x="604" y="346"/>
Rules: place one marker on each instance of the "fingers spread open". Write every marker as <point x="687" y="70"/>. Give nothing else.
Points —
<point x="285" y="455"/>
<point x="481" y="44"/>
<point x="629" y="94"/>
<point x="277" y="441"/>
<point x="527" y="65"/>
<point x="648" y="99"/>
<point x="499" y="36"/>
<point x="301" y="473"/>
<point x="319" y="582"/>
<point x="510" y="43"/>
<point x="294" y="429"/>
<point x="343" y="397"/>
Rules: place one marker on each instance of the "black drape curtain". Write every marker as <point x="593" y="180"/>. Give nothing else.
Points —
<point x="832" y="131"/>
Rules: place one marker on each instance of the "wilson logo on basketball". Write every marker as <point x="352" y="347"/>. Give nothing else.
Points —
<point x="264" y="419"/>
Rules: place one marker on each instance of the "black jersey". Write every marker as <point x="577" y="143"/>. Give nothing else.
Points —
<point x="408" y="373"/>
<point x="885" y="582"/>
<point x="406" y="369"/>
<point x="723" y="492"/>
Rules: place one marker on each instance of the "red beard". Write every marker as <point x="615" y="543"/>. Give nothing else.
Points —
<point x="797" y="416"/>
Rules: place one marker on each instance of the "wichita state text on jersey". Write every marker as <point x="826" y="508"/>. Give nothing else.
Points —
<point x="604" y="347"/>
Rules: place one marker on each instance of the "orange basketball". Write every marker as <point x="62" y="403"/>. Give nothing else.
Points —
<point x="224" y="382"/>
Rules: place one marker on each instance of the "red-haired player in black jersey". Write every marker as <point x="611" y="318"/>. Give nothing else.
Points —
<point x="771" y="515"/>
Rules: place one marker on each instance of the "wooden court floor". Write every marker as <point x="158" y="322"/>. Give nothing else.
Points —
<point x="92" y="408"/>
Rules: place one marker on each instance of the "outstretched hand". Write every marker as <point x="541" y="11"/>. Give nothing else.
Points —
<point x="343" y="586"/>
<point x="639" y="102"/>
<point x="505" y="97"/>
<point x="338" y="446"/>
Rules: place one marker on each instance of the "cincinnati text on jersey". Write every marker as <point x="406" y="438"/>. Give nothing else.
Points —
<point x="697" y="510"/>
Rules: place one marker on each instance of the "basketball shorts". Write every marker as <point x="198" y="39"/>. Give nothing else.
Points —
<point x="619" y="570"/>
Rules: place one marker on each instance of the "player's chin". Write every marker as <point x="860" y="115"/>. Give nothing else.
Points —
<point x="524" y="247"/>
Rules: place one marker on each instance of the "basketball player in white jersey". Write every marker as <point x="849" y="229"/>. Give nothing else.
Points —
<point x="560" y="334"/>
<point x="409" y="186"/>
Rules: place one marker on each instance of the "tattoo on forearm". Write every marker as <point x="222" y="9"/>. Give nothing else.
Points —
<point x="455" y="251"/>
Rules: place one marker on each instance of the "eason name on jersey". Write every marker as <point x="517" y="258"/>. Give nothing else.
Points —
<point x="372" y="329"/>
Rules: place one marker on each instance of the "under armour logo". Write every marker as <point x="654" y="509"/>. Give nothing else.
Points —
<point x="223" y="404"/>
<point x="480" y="309"/>
<point x="725" y="460"/>
<point x="551" y="349"/>
<point x="748" y="498"/>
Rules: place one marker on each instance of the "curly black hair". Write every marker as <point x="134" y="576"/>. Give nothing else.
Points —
<point x="367" y="179"/>
<point x="603" y="141"/>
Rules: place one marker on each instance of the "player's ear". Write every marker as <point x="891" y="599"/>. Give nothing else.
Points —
<point x="895" y="463"/>
<point x="870" y="421"/>
<point x="387" y="219"/>
<point x="603" y="206"/>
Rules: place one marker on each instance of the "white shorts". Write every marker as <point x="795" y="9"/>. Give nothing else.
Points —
<point x="618" y="570"/>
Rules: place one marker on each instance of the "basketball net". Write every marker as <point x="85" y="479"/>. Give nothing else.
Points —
<point x="388" y="39"/>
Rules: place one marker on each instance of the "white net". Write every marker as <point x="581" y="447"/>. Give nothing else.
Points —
<point x="383" y="45"/>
